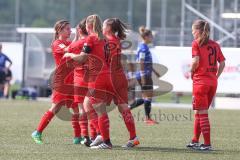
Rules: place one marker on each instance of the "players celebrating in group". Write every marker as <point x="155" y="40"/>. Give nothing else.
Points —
<point x="96" y="58"/>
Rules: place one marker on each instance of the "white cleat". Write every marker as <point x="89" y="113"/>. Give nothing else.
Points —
<point x="97" y="141"/>
<point x="102" y="146"/>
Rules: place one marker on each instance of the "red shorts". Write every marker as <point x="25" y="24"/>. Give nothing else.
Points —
<point x="58" y="98"/>
<point x="100" y="89"/>
<point x="203" y="96"/>
<point x="80" y="89"/>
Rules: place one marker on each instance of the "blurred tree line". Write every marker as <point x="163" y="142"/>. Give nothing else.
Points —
<point x="44" y="13"/>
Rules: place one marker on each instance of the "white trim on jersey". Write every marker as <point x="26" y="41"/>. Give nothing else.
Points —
<point x="62" y="45"/>
<point x="142" y="55"/>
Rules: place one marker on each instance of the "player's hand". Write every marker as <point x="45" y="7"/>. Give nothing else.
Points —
<point x="68" y="55"/>
<point x="66" y="49"/>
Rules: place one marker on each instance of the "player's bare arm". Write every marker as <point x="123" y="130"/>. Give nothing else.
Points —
<point x="195" y="63"/>
<point x="220" y="68"/>
<point x="80" y="58"/>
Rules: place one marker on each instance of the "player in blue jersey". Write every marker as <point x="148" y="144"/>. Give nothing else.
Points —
<point x="5" y="72"/>
<point x="144" y="73"/>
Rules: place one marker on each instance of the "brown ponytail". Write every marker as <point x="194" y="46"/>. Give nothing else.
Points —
<point x="204" y="31"/>
<point x="59" y="26"/>
<point x="82" y="26"/>
<point x="144" y="32"/>
<point x="117" y="27"/>
<point x="96" y="22"/>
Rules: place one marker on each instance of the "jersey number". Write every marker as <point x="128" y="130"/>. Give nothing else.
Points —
<point x="212" y="57"/>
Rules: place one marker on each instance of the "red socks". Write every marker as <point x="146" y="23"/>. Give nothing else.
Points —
<point x="75" y="125"/>
<point x="103" y="123"/>
<point x="196" y="129"/>
<point x="129" y="122"/>
<point x="46" y="118"/>
<point x="93" y="132"/>
<point x="93" y="118"/>
<point x="205" y="128"/>
<point x="84" y="124"/>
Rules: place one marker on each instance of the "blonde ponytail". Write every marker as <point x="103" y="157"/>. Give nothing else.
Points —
<point x="96" y="22"/>
<point x="204" y="31"/>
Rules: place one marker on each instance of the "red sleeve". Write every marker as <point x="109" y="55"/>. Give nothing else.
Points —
<point x="58" y="47"/>
<point x="74" y="47"/>
<point x="195" y="49"/>
<point x="220" y="57"/>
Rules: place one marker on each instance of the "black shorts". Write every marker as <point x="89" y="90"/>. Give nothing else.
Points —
<point x="2" y="77"/>
<point x="8" y="75"/>
<point x="148" y="85"/>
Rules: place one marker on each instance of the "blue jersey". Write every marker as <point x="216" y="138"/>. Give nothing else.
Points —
<point x="3" y="60"/>
<point x="143" y="53"/>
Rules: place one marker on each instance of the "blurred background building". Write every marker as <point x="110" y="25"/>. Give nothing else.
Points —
<point x="170" y="20"/>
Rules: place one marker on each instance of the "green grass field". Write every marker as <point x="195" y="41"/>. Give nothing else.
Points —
<point x="166" y="140"/>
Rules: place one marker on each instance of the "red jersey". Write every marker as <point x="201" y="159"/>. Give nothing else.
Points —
<point x="98" y="56"/>
<point x="79" y="72"/>
<point x="65" y="92"/>
<point x="58" y="47"/>
<point x="76" y="48"/>
<point x="115" y="54"/>
<point x="209" y="55"/>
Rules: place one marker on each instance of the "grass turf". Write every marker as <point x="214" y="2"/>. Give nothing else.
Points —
<point x="166" y="140"/>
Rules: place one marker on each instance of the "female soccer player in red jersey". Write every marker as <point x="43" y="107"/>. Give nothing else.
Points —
<point x="59" y="47"/>
<point x="95" y="50"/>
<point x="206" y="55"/>
<point x="79" y="94"/>
<point x="115" y="31"/>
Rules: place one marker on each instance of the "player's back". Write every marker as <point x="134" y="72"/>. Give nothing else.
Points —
<point x="99" y="55"/>
<point x="209" y="54"/>
<point x="115" y="54"/>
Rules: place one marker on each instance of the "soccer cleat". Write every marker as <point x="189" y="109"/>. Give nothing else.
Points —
<point x="103" y="145"/>
<point x="77" y="140"/>
<point x="204" y="147"/>
<point x="132" y="143"/>
<point x="97" y="141"/>
<point x="37" y="137"/>
<point x="150" y="121"/>
<point x="86" y="141"/>
<point x="193" y="145"/>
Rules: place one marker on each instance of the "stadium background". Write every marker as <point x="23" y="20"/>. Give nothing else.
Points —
<point x="171" y="22"/>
